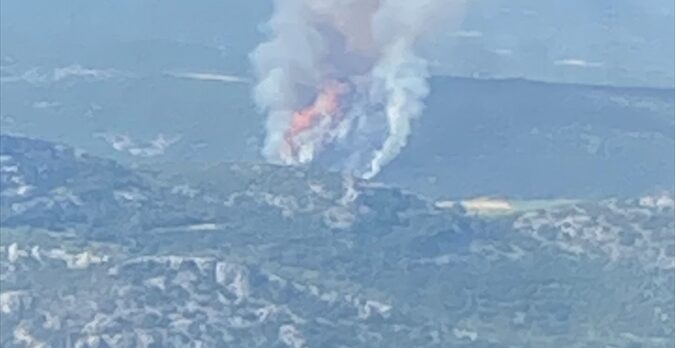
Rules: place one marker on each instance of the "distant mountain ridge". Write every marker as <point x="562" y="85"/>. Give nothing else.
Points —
<point x="519" y="138"/>
<point x="512" y="137"/>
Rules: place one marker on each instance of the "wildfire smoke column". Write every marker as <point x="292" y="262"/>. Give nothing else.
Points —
<point x="344" y="74"/>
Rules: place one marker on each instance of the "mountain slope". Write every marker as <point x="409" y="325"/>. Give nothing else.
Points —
<point x="252" y="255"/>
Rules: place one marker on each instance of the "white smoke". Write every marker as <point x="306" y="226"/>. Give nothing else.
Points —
<point x="368" y="46"/>
<point x="404" y="77"/>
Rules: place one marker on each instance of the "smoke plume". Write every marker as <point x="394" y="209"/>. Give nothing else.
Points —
<point x="341" y="81"/>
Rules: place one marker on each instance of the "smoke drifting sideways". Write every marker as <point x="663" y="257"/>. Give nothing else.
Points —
<point x="340" y="80"/>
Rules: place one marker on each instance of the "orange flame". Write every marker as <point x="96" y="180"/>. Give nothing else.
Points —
<point x="326" y="105"/>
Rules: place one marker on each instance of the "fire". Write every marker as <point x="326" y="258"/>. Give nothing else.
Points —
<point x="326" y="105"/>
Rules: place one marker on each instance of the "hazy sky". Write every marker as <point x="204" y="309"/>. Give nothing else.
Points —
<point x="627" y="42"/>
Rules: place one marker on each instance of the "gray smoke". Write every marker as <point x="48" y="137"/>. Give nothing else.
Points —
<point x="340" y="80"/>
